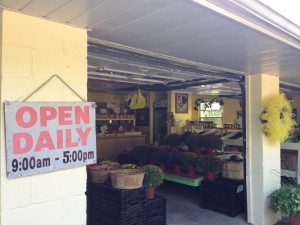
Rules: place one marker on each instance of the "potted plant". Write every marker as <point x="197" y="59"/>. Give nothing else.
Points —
<point x="141" y="154"/>
<point x="287" y="200"/>
<point x="195" y="142"/>
<point x="153" y="178"/>
<point x="127" y="178"/>
<point x="209" y="165"/>
<point x="172" y="140"/>
<point x="188" y="160"/>
<point x="173" y="161"/>
<point x="159" y="157"/>
<point x="213" y="142"/>
<point x="129" y="166"/>
<point x="100" y="172"/>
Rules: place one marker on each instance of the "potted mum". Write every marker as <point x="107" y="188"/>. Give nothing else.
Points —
<point x="188" y="160"/>
<point x="153" y="178"/>
<point x="195" y="142"/>
<point x="213" y="142"/>
<point x="209" y="165"/>
<point x="159" y="157"/>
<point x="172" y="140"/>
<point x="173" y="161"/>
<point x="287" y="200"/>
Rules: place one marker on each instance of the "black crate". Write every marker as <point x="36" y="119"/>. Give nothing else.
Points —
<point x="223" y="195"/>
<point x="157" y="220"/>
<point x="106" y="192"/>
<point x="109" y="216"/>
<point x="157" y="205"/>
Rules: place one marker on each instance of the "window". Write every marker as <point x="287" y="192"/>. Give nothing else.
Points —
<point x="211" y="112"/>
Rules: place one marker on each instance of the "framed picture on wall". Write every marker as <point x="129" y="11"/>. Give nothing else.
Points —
<point x="181" y="103"/>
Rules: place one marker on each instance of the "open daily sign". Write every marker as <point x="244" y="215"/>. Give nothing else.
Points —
<point x="47" y="136"/>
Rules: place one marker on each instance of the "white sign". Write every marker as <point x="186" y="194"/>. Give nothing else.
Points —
<point x="48" y="136"/>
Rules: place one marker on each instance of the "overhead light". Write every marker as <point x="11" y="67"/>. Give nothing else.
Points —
<point x="124" y="71"/>
<point x="148" y="80"/>
<point x="108" y="75"/>
<point x="96" y="77"/>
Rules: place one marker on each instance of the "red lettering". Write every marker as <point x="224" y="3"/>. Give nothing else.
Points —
<point x="47" y="113"/>
<point x="20" y="117"/>
<point x="59" y="134"/>
<point x="83" y="135"/>
<point x="69" y="142"/>
<point x="64" y="114"/>
<point x="44" y="141"/>
<point x="22" y="143"/>
<point x="84" y="116"/>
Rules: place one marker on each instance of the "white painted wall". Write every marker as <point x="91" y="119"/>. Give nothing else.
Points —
<point x="32" y="50"/>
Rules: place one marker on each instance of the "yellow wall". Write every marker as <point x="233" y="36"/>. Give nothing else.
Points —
<point x="105" y="97"/>
<point x="34" y="49"/>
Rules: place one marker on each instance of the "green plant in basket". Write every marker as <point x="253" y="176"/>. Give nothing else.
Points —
<point x="188" y="159"/>
<point x="108" y="163"/>
<point x="154" y="176"/>
<point x="129" y="166"/>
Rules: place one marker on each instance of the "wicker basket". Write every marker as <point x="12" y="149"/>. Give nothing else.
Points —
<point x="100" y="174"/>
<point x="233" y="170"/>
<point x="127" y="179"/>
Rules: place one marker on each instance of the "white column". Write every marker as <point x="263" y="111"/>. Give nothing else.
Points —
<point x="32" y="50"/>
<point x="263" y="158"/>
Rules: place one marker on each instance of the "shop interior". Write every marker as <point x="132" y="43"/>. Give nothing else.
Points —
<point x="213" y="104"/>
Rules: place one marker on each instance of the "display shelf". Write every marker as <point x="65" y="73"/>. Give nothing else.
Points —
<point x="292" y="147"/>
<point x="115" y="119"/>
<point x="181" y="178"/>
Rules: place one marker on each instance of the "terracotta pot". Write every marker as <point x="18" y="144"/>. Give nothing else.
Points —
<point x="176" y="168"/>
<point x="151" y="192"/>
<point x="210" y="151"/>
<point x="295" y="219"/>
<point x="191" y="171"/>
<point x="162" y="166"/>
<point x="210" y="176"/>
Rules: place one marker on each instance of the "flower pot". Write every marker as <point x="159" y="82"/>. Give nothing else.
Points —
<point x="151" y="192"/>
<point x="176" y="168"/>
<point x="162" y="166"/>
<point x="191" y="171"/>
<point x="295" y="219"/>
<point x="210" y="151"/>
<point x="210" y="176"/>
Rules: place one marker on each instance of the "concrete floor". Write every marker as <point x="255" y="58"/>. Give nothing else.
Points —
<point x="183" y="208"/>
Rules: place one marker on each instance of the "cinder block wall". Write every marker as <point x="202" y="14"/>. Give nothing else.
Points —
<point x="32" y="50"/>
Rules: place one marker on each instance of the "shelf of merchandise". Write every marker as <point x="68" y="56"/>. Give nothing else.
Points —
<point x="116" y="119"/>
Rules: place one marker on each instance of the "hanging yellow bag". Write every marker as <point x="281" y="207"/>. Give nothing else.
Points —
<point x="140" y="102"/>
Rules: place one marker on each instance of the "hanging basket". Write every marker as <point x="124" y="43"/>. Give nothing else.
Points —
<point x="100" y="174"/>
<point x="127" y="179"/>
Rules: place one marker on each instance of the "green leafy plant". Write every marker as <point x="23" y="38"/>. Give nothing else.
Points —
<point x="194" y="141"/>
<point x="129" y="166"/>
<point x="159" y="156"/>
<point x="141" y="152"/>
<point x="154" y="176"/>
<point x="173" y="140"/>
<point x="188" y="159"/>
<point x="286" y="199"/>
<point x="209" y="163"/>
<point x="108" y="163"/>
<point x="213" y="141"/>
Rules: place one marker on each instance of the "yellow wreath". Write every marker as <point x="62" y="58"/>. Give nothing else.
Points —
<point x="277" y="118"/>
